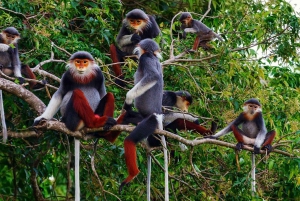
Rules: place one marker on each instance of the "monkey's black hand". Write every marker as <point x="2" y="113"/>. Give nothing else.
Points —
<point x="110" y="122"/>
<point x="196" y="122"/>
<point x="256" y="150"/>
<point x="184" y="35"/>
<point x="239" y="146"/>
<point x="36" y="122"/>
<point x="21" y="80"/>
<point x="127" y="107"/>
<point x="135" y="38"/>
<point x="214" y="126"/>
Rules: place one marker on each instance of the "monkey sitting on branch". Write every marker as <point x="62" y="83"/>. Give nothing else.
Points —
<point x="204" y="34"/>
<point x="253" y="130"/>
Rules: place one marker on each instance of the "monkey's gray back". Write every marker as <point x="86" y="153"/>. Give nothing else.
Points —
<point x="202" y="28"/>
<point x="151" y="101"/>
<point x="5" y="59"/>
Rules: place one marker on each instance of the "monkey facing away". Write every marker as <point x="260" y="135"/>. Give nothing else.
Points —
<point x="9" y="58"/>
<point x="253" y="130"/>
<point x="135" y="27"/>
<point x="204" y="34"/>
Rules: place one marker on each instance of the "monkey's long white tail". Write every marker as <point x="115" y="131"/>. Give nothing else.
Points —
<point x="163" y="140"/>
<point x="253" y="189"/>
<point x="148" y="176"/>
<point x="77" y="158"/>
<point x="4" y="129"/>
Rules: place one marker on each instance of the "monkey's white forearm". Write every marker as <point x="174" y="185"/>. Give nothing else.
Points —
<point x="170" y="117"/>
<point x="138" y="90"/>
<point x="52" y="107"/>
<point x="190" y="30"/>
<point x="125" y="40"/>
<point x="224" y="131"/>
<point x="3" y="47"/>
<point x="260" y="138"/>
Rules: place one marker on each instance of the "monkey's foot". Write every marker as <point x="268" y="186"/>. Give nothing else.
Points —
<point x="126" y="182"/>
<point x="110" y="122"/>
<point x="191" y="51"/>
<point x="239" y="146"/>
<point x="256" y="150"/>
<point x="214" y="127"/>
<point x="268" y="148"/>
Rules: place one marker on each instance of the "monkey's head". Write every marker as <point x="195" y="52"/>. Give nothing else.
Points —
<point x="137" y="20"/>
<point x="185" y="18"/>
<point x="252" y="107"/>
<point x="148" y="45"/>
<point x="82" y="66"/>
<point x="10" y="35"/>
<point x="184" y="100"/>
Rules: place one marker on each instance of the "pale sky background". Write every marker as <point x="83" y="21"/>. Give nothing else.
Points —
<point x="295" y="4"/>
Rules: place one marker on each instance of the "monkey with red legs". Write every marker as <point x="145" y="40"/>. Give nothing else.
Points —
<point x="82" y="100"/>
<point x="147" y="96"/>
<point x="204" y="34"/>
<point x="253" y="130"/>
<point x="135" y="27"/>
<point x="9" y="57"/>
<point x="174" y="121"/>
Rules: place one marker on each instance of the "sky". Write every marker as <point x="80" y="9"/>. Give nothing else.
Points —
<point x="295" y="4"/>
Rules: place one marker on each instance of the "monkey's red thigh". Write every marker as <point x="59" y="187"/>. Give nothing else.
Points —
<point x="237" y="133"/>
<point x="85" y="112"/>
<point x="269" y="138"/>
<point x="196" y="43"/>
<point x="106" y="106"/>
<point x="188" y="125"/>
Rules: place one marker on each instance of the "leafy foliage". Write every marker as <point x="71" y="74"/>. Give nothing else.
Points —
<point x="260" y="58"/>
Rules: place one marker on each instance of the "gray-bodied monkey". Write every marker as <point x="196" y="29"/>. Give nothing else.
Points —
<point x="204" y="34"/>
<point x="135" y="27"/>
<point x="83" y="101"/>
<point x="253" y="130"/>
<point x="9" y="58"/>
<point x="147" y="95"/>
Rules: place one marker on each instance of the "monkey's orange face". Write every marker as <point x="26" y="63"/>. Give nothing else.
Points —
<point x="81" y="65"/>
<point x="137" y="24"/>
<point x="182" y="104"/>
<point x="10" y="38"/>
<point x="186" y="21"/>
<point x="251" y="110"/>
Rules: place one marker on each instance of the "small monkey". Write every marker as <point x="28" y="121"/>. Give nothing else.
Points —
<point x="204" y="34"/>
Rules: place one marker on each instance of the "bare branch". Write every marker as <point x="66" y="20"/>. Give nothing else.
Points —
<point x="24" y="94"/>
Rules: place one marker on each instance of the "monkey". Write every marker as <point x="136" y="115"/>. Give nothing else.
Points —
<point x="204" y="34"/>
<point x="174" y="121"/>
<point x="9" y="58"/>
<point x="136" y="26"/>
<point x="253" y="130"/>
<point x="147" y="95"/>
<point x="82" y="100"/>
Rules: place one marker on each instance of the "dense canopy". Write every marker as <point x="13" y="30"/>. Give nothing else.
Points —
<point x="259" y="58"/>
